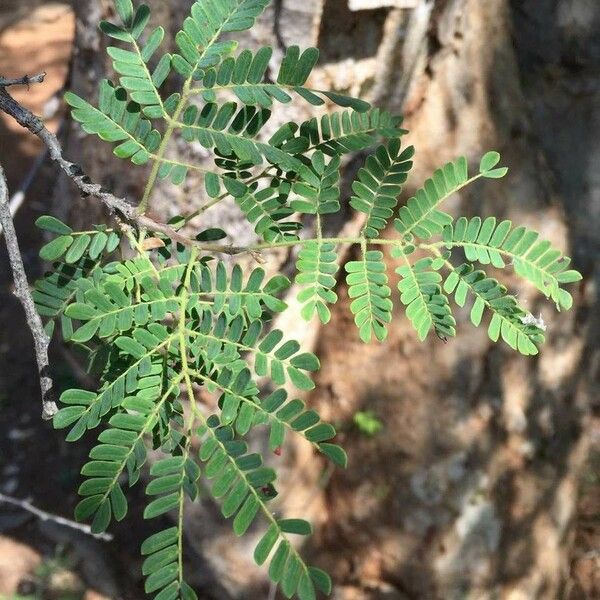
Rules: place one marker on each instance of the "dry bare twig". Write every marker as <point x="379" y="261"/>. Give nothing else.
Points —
<point x="18" y="197"/>
<point x="129" y="212"/>
<point x="46" y="516"/>
<point x="25" y="80"/>
<point x="40" y="337"/>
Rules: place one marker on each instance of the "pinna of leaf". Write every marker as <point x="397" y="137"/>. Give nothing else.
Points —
<point x="173" y="317"/>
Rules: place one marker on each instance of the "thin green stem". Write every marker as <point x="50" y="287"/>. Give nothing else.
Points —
<point x="544" y="274"/>
<point x="487" y="247"/>
<point x="202" y="247"/>
<point x="138" y="246"/>
<point x="214" y="201"/>
<point x="369" y="292"/>
<point x="268" y="514"/>
<point x="440" y="201"/>
<point x="205" y="207"/>
<point x="201" y="90"/>
<point x="90" y="232"/>
<point x="433" y="248"/>
<point x="146" y="429"/>
<point x="332" y="240"/>
<point x="148" y="74"/>
<point x="181" y="329"/>
<point x="137" y="242"/>
<point x="181" y="505"/>
<point x="172" y="125"/>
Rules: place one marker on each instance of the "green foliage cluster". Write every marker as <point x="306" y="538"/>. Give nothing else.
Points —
<point x="172" y="319"/>
<point x="367" y="422"/>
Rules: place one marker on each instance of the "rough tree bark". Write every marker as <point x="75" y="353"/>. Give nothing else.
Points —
<point x="470" y="490"/>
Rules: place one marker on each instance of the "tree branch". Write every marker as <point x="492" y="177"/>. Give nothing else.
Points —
<point x="19" y="196"/>
<point x="45" y="516"/>
<point x="31" y="122"/>
<point x="114" y="204"/>
<point x="40" y="337"/>
<point x="25" y="80"/>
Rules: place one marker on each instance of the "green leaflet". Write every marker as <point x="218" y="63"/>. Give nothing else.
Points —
<point x="421" y="216"/>
<point x="209" y="19"/>
<point x="173" y="479"/>
<point x="244" y="487"/>
<point x="117" y="120"/>
<point x="319" y="192"/>
<point x="245" y="76"/>
<point x="102" y="497"/>
<point x="317" y="266"/>
<point x="69" y="279"/>
<point x="267" y="210"/>
<point x="508" y="318"/>
<point x="137" y="76"/>
<point x="427" y="306"/>
<point x="231" y="292"/>
<point x="339" y="133"/>
<point x="489" y="242"/>
<point x="53" y="225"/>
<point x="226" y="339"/>
<point x="379" y="184"/>
<point x="371" y="304"/>
<point x="487" y="164"/>
<point x="221" y="128"/>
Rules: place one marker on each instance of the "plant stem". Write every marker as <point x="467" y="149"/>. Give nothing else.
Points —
<point x="290" y="243"/>
<point x="218" y="199"/>
<point x="143" y="206"/>
<point x="41" y="339"/>
<point x="46" y="516"/>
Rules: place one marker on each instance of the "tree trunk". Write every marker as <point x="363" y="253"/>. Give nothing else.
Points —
<point x="470" y="490"/>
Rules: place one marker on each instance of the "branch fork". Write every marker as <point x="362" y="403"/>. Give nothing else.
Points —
<point x="118" y="207"/>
